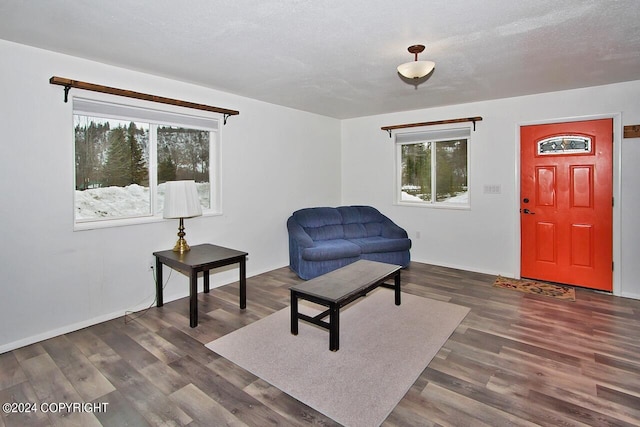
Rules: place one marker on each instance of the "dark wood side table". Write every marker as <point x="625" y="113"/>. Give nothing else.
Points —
<point x="200" y="258"/>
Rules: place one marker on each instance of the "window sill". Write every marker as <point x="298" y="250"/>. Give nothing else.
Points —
<point x="125" y="222"/>
<point x="450" y="206"/>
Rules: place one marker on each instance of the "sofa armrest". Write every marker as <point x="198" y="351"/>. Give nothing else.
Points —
<point x="390" y="230"/>
<point x="298" y="235"/>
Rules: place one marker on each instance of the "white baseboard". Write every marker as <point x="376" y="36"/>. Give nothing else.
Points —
<point x="630" y="295"/>
<point x="464" y="267"/>
<point x="60" y="331"/>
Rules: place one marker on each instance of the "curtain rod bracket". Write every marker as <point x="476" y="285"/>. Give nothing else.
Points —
<point x="389" y="130"/>
<point x="224" y="118"/>
<point x="66" y="93"/>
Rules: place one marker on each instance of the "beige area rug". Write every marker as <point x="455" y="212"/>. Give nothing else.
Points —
<point x="566" y="293"/>
<point x="383" y="350"/>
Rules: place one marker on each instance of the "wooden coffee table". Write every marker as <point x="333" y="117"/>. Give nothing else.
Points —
<point x="337" y="289"/>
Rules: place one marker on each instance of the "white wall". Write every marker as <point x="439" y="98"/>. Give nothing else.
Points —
<point x="52" y="280"/>
<point x="486" y="237"/>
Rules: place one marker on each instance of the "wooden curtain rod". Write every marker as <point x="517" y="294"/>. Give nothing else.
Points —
<point x="437" y="122"/>
<point x="68" y="84"/>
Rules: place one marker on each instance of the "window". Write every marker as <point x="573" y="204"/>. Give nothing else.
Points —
<point x="564" y="144"/>
<point x="431" y="168"/>
<point x="125" y="154"/>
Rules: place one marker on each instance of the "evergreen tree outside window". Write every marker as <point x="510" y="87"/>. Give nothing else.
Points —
<point x="125" y="164"/>
<point x="432" y="168"/>
<point x="124" y="155"/>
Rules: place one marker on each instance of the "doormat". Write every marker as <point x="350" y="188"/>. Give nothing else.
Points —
<point x="565" y="293"/>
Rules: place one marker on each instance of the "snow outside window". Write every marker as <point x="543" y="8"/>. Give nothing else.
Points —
<point x="124" y="155"/>
<point x="432" y="168"/>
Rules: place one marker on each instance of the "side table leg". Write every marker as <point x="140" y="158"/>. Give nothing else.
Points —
<point x="243" y="282"/>
<point x="159" y="301"/>
<point x="193" y="299"/>
<point x="294" y="313"/>
<point x="396" y="281"/>
<point x="334" y="327"/>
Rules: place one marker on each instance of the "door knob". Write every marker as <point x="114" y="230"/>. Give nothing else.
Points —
<point x="527" y="211"/>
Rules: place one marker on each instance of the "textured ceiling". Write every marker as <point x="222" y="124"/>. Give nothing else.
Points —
<point x="338" y="57"/>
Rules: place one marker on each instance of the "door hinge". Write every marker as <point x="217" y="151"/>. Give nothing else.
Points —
<point x="613" y="201"/>
<point x="611" y="265"/>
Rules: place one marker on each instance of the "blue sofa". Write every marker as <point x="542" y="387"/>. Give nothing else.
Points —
<point x="324" y="239"/>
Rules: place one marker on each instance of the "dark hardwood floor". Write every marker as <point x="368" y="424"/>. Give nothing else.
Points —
<point x="516" y="359"/>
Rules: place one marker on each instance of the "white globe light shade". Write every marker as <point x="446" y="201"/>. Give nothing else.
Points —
<point x="416" y="69"/>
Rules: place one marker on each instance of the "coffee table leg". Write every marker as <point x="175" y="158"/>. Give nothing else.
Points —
<point x="334" y="327"/>
<point x="396" y="281"/>
<point x="294" y="313"/>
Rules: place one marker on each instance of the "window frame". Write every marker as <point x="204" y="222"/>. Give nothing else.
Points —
<point x="435" y="135"/>
<point x="154" y="117"/>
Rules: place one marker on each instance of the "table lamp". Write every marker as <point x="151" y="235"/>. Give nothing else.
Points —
<point x="181" y="201"/>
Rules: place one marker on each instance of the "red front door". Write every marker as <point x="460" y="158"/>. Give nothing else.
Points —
<point x="566" y="195"/>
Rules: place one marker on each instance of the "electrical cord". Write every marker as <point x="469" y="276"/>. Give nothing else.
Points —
<point x="144" y="311"/>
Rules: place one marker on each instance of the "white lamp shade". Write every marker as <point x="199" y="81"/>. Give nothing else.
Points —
<point x="416" y="69"/>
<point x="181" y="200"/>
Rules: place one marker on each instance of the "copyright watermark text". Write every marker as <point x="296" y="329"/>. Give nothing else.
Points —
<point x="54" y="407"/>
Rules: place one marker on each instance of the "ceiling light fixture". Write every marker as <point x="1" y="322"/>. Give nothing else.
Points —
<point x="416" y="69"/>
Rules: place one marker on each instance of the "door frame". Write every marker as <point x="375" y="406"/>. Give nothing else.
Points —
<point x="617" y="157"/>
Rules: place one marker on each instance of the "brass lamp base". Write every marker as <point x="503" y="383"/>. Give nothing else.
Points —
<point x="181" y="245"/>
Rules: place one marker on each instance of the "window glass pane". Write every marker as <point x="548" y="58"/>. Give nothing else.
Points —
<point x="111" y="176"/>
<point x="416" y="172"/>
<point x="565" y="144"/>
<point x="184" y="154"/>
<point x="451" y="172"/>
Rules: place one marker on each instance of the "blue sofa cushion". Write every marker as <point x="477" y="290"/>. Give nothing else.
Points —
<point x="317" y="217"/>
<point x="373" y="229"/>
<point x="326" y="232"/>
<point x="331" y="249"/>
<point x="360" y="230"/>
<point x="381" y="244"/>
<point x="360" y="214"/>
<point x="354" y="231"/>
<point x="321" y="223"/>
